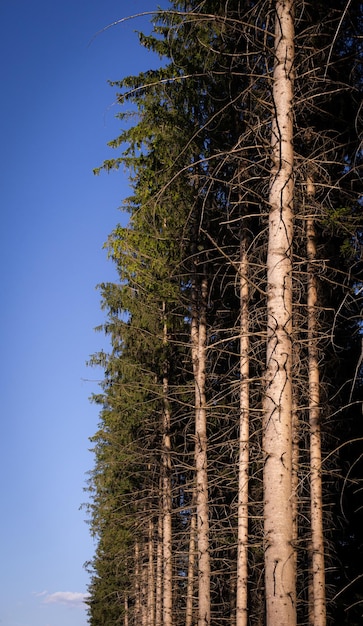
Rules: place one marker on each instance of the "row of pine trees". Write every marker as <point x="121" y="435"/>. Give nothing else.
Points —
<point x="226" y="487"/>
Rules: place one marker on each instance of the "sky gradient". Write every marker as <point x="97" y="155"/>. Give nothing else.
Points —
<point x="57" y="115"/>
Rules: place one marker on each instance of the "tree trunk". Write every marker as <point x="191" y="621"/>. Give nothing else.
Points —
<point x="316" y="498"/>
<point x="242" y="538"/>
<point x="295" y="440"/>
<point x="151" y="576"/>
<point x="137" y="586"/>
<point x="198" y="340"/>
<point x="137" y="568"/>
<point x="280" y="578"/>
<point x="167" y="498"/>
<point x="191" y="568"/>
<point x="159" y="563"/>
<point x="144" y="584"/>
<point x="295" y="463"/>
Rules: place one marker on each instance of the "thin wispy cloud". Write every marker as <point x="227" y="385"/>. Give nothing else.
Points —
<point x="39" y="594"/>
<point x="68" y="598"/>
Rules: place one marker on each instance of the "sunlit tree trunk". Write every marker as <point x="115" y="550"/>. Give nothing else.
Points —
<point x="159" y="564"/>
<point x="198" y="341"/>
<point x="310" y="585"/>
<point x="151" y="577"/>
<point x="137" y="586"/>
<point x="191" y="569"/>
<point x="243" y="471"/>
<point x="316" y="498"/>
<point x="280" y="578"/>
<point x="167" y="497"/>
<point x="295" y="461"/>
<point x="144" y="584"/>
<point x="295" y="438"/>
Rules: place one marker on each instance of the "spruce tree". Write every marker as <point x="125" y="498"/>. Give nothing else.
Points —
<point x="235" y="332"/>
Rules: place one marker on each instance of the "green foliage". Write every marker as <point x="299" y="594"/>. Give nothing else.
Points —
<point x="199" y="162"/>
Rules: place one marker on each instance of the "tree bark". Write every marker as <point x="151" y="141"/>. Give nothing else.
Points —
<point x="144" y="583"/>
<point x="316" y="497"/>
<point x="137" y="585"/>
<point x="243" y="470"/>
<point x="151" y="576"/>
<point x="159" y="562"/>
<point x="295" y="463"/>
<point x="191" y="568"/>
<point x="199" y="340"/>
<point x="280" y="577"/>
<point x="167" y="498"/>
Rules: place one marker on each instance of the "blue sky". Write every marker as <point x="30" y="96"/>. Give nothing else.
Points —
<point x="57" y="114"/>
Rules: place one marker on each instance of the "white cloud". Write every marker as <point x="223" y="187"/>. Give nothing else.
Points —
<point x="69" y="598"/>
<point x="39" y="593"/>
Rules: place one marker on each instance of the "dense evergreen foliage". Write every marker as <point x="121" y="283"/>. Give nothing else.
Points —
<point x="177" y="481"/>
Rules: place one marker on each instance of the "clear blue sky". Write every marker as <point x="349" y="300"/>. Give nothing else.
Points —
<point x="57" y="114"/>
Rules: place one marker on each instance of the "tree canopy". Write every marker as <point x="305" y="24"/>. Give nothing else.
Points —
<point x="228" y="460"/>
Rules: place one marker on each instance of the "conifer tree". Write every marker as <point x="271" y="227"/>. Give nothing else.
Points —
<point x="234" y="327"/>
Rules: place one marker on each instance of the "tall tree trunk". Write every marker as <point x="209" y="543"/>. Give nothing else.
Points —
<point x="137" y="584"/>
<point x="243" y="471"/>
<point x="198" y="341"/>
<point x="295" y="463"/>
<point x="280" y="577"/>
<point x="144" y="588"/>
<point x="316" y="498"/>
<point x="159" y="562"/>
<point x="191" y="567"/>
<point x="295" y="440"/>
<point x="151" y="576"/>
<point x="167" y="496"/>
